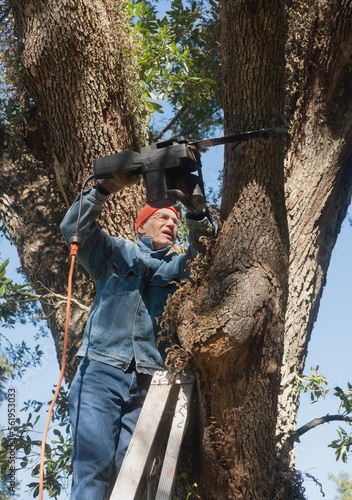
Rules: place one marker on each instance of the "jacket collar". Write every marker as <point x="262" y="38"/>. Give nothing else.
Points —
<point x="145" y="244"/>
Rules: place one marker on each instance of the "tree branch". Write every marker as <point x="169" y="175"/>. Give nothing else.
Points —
<point x="170" y="124"/>
<point x="190" y="130"/>
<point x="26" y="296"/>
<point x="322" y="420"/>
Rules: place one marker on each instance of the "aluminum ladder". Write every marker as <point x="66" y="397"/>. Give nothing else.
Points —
<point x="163" y="397"/>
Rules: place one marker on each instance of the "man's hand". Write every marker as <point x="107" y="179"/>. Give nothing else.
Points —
<point x="199" y="216"/>
<point x="119" y="181"/>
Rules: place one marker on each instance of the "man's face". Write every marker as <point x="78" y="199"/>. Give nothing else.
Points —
<point x="163" y="226"/>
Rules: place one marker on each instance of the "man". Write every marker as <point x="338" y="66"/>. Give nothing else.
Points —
<point x="119" y="352"/>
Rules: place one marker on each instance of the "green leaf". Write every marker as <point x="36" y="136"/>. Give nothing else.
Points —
<point x="4" y="265"/>
<point x="150" y="75"/>
<point x="149" y="104"/>
<point x="36" y="492"/>
<point x="314" y="372"/>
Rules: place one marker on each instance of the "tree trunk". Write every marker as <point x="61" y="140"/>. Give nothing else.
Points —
<point x="234" y="332"/>
<point x="79" y="75"/>
<point x="318" y="178"/>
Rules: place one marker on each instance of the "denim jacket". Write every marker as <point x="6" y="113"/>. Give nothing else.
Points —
<point x="132" y="284"/>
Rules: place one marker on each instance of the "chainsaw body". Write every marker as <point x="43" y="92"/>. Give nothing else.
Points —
<point x="171" y="172"/>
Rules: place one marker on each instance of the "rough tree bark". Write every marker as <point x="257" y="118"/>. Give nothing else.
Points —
<point x="318" y="175"/>
<point x="234" y="332"/>
<point x="78" y="72"/>
<point x="318" y="185"/>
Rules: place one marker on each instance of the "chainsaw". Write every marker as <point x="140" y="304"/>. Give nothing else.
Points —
<point x="171" y="169"/>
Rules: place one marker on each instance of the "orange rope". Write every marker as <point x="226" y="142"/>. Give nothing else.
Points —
<point x="74" y="249"/>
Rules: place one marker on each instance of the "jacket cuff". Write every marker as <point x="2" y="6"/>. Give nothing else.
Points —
<point x="98" y="187"/>
<point x="96" y="196"/>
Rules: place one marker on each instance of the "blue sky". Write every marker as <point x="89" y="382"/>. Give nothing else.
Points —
<point x="330" y="348"/>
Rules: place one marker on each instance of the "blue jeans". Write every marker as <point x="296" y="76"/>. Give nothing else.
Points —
<point x="104" y="404"/>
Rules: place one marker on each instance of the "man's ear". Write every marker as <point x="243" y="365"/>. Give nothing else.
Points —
<point x="141" y="229"/>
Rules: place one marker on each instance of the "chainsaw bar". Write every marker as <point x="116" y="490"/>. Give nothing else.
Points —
<point x="265" y="133"/>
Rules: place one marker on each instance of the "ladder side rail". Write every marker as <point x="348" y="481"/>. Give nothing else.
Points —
<point x="135" y="470"/>
<point x="178" y="428"/>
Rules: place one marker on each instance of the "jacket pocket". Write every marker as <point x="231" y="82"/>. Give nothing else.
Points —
<point x="122" y="280"/>
<point x="160" y="286"/>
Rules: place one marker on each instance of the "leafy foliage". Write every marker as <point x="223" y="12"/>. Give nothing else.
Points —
<point x="190" y="487"/>
<point x="15" y="104"/>
<point x="316" y="385"/>
<point x="16" y="306"/>
<point x="319" y="387"/>
<point x="344" y="486"/>
<point x="342" y="445"/>
<point x="58" y="452"/>
<point x="179" y="58"/>
<point x="5" y="372"/>
<point x="20" y="356"/>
